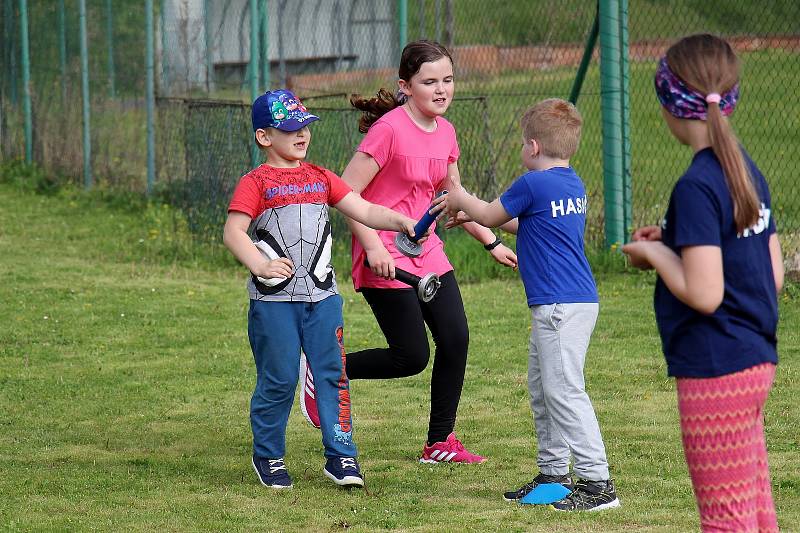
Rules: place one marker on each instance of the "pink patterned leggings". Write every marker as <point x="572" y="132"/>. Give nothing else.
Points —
<point x="722" y="424"/>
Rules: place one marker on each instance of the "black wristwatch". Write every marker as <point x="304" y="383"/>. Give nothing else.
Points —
<point x="493" y="245"/>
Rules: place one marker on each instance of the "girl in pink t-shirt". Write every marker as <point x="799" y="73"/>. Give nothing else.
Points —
<point x="408" y="155"/>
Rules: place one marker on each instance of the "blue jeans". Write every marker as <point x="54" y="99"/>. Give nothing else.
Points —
<point x="277" y="332"/>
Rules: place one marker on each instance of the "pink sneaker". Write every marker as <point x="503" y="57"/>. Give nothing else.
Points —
<point x="449" y="451"/>
<point x="308" y="400"/>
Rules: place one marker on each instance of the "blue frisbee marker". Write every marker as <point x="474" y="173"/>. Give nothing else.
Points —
<point x="408" y="246"/>
<point x="545" y="494"/>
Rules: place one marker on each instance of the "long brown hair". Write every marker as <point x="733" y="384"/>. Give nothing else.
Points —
<point x="414" y="55"/>
<point x="710" y="65"/>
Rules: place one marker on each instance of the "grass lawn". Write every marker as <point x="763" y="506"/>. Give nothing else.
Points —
<point x="125" y="383"/>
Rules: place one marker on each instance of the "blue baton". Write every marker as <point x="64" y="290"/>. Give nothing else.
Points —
<point x="409" y="246"/>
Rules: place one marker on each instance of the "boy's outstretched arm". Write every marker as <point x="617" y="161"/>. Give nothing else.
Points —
<point x="483" y="217"/>
<point x="490" y="215"/>
<point x="375" y="216"/>
<point x="460" y="218"/>
<point x="480" y="232"/>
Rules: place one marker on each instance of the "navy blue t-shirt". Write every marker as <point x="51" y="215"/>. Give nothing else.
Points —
<point x="741" y="333"/>
<point x="551" y="208"/>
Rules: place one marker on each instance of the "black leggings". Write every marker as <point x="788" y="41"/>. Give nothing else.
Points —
<point x="402" y="318"/>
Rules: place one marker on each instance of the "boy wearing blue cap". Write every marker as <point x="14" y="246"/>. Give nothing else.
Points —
<point x="278" y="227"/>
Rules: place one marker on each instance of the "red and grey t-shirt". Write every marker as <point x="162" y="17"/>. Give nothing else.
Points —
<point x="289" y="212"/>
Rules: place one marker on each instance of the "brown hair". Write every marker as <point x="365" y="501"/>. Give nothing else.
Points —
<point x="556" y="126"/>
<point x="709" y="65"/>
<point x="414" y="55"/>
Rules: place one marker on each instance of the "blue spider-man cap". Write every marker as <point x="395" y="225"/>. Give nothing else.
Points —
<point x="282" y="110"/>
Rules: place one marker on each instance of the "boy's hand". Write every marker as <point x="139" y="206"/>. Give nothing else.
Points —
<point x="275" y="268"/>
<point x="504" y="255"/>
<point x="407" y="226"/>
<point x="447" y="205"/>
<point x="647" y="233"/>
<point x="637" y="252"/>
<point x="460" y="218"/>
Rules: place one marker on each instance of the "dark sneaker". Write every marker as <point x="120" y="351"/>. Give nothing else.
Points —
<point x="541" y="479"/>
<point x="344" y="471"/>
<point x="272" y="473"/>
<point x="589" y="496"/>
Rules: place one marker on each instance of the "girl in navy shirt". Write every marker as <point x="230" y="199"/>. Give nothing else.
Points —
<point x="719" y="271"/>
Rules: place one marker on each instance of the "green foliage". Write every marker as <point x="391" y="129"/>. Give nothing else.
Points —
<point x="125" y="380"/>
<point x="29" y="178"/>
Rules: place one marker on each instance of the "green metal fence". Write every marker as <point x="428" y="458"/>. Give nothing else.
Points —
<point x="210" y="57"/>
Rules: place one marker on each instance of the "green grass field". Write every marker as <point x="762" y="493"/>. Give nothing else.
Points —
<point x="125" y="378"/>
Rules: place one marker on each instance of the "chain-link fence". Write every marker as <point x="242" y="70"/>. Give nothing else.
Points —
<point x="507" y="56"/>
<point x="115" y="60"/>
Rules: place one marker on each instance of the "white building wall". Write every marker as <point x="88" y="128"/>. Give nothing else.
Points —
<point x="305" y="33"/>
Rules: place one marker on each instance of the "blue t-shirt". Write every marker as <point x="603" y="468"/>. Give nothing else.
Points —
<point x="741" y="333"/>
<point x="551" y="208"/>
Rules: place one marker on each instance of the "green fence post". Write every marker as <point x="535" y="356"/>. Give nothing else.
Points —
<point x="62" y="49"/>
<point x="254" y="60"/>
<point x="627" y="189"/>
<point x="402" y="23"/>
<point x="87" y="139"/>
<point x="591" y="42"/>
<point x="112" y="90"/>
<point x="164" y="88"/>
<point x="26" y="79"/>
<point x="207" y="37"/>
<point x="8" y="21"/>
<point x="265" y="65"/>
<point x="150" y="95"/>
<point x="611" y="111"/>
<point x="7" y="40"/>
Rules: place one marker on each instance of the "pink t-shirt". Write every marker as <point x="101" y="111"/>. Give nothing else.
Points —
<point x="413" y="166"/>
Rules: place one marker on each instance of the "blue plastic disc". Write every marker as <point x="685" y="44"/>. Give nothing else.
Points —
<point x="546" y="493"/>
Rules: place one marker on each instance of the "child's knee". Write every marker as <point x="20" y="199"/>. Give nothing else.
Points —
<point x="455" y="346"/>
<point x="276" y="389"/>
<point x="413" y="362"/>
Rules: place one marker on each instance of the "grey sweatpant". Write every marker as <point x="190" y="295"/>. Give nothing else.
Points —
<point x="563" y="415"/>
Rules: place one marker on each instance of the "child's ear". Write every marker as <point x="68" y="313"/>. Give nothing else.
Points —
<point x="263" y="138"/>
<point x="404" y="87"/>
<point x="535" y="148"/>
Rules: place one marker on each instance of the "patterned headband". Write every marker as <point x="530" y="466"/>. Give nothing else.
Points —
<point x="683" y="101"/>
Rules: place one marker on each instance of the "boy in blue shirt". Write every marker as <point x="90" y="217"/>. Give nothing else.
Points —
<point x="546" y="208"/>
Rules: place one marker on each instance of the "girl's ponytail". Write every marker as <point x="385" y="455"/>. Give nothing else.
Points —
<point x="373" y="108"/>
<point x="746" y="204"/>
<point x="708" y="66"/>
